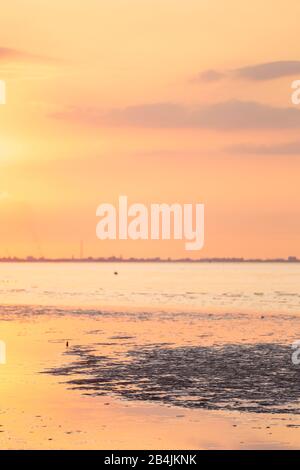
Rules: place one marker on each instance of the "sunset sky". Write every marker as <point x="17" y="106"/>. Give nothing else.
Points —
<point x="160" y="100"/>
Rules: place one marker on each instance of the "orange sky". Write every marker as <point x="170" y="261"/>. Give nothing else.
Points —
<point x="110" y="97"/>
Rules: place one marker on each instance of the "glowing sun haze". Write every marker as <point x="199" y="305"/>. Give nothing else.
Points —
<point x="162" y="100"/>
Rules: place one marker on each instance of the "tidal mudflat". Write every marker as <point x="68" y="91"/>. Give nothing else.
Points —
<point x="167" y="374"/>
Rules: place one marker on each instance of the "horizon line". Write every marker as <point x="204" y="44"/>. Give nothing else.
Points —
<point x="120" y="259"/>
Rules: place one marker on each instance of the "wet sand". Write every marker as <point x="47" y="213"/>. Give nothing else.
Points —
<point x="147" y="380"/>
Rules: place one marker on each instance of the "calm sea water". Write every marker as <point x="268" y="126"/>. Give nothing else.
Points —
<point x="227" y="287"/>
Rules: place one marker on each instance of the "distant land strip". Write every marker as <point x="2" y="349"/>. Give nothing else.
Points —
<point x="115" y="259"/>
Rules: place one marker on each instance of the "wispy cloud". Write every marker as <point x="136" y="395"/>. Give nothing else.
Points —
<point x="228" y="115"/>
<point x="208" y="76"/>
<point x="14" y="55"/>
<point x="21" y="65"/>
<point x="257" y="72"/>
<point x="286" y="148"/>
<point x="269" y="70"/>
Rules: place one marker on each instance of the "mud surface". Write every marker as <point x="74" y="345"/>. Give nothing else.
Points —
<point x="258" y="378"/>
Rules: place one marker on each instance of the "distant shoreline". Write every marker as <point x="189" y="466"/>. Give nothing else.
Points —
<point x="113" y="259"/>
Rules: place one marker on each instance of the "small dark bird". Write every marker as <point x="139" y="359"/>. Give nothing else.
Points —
<point x="67" y="344"/>
<point x="116" y="273"/>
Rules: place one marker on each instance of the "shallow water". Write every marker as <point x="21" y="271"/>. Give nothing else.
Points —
<point x="214" y="287"/>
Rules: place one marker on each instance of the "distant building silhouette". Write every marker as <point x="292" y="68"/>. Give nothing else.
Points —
<point x="115" y="259"/>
